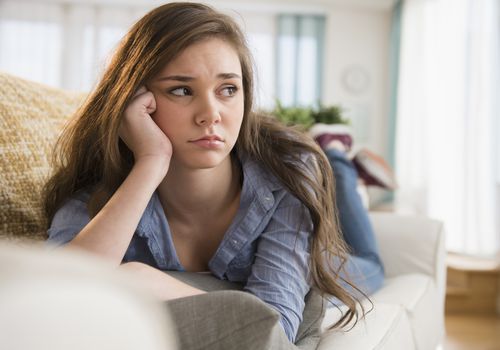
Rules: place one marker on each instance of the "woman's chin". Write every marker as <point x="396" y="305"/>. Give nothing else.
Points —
<point x="205" y="161"/>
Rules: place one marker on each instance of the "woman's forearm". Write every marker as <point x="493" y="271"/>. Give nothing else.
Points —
<point x="109" y="233"/>
<point x="159" y="283"/>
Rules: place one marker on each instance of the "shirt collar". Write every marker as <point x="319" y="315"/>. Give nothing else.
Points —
<point x="257" y="181"/>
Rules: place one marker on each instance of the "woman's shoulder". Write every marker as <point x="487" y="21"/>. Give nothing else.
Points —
<point x="263" y="179"/>
<point x="82" y="196"/>
<point x="75" y="205"/>
<point x="256" y="173"/>
<point x="306" y="160"/>
<point x="74" y="209"/>
<point x="69" y="219"/>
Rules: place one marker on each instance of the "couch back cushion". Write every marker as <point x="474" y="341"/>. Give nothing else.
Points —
<point x="32" y="116"/>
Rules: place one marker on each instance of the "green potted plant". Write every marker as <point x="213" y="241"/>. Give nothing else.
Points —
<point x="329" y="115"/>
<point x="308" y="116"/>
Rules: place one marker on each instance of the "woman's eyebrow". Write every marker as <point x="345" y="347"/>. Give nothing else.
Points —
<point x="182" y="78"/>
<point x="228" y="76"/>
<point x="186" y="78"/>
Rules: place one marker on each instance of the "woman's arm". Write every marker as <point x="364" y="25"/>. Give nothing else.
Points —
<point x="280" y="272"/>
<point x="159" y="283"/>
<point x="109" y="233"/>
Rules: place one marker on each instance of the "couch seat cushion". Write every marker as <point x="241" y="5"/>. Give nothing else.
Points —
<point x="417" y="294"/>
<point x="385" y="327"/>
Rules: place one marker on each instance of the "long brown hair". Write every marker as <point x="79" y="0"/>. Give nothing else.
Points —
<point x="90" y="156"/>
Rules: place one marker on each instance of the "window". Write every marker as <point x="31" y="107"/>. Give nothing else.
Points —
<point x="299" y="59"/>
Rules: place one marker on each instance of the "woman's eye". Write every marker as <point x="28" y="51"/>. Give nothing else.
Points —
<point x="181" y="91"/>
<point x="229" y="91"/>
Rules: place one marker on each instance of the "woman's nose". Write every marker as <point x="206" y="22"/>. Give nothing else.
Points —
<point x="208" y="112"/>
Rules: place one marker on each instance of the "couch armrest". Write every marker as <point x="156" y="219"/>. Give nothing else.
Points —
<point x="411" y="244"/>
<point x="59" y="299"/>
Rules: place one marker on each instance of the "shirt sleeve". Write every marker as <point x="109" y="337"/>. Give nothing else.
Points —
<point x="280" y="273"/>
<point x="68" y="221"/>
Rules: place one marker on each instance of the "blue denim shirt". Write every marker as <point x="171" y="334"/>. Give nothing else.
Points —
<point x="266" y="246"/>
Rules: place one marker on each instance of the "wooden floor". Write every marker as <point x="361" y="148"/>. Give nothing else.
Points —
<point x="472" y="292"/>
<point x="472" y="332"/>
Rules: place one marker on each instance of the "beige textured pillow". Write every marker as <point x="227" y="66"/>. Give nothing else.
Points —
<point x="31" y="117"/>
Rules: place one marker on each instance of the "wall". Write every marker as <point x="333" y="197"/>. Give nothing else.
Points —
<point x="356" y="71"/>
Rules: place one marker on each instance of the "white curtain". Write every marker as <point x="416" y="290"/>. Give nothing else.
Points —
<point x="447" y="120"/>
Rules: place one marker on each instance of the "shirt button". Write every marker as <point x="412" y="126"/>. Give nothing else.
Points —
<point x="268" y="202"/>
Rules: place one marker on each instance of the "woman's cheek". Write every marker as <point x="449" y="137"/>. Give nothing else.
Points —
<point x="163" y="126"/>
<point x="160" y="117"/>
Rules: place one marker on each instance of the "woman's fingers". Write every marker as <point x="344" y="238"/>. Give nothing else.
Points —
<point x="139" y="91"/>
<point x="151" y="107"/>
<point x="150" y="103"/>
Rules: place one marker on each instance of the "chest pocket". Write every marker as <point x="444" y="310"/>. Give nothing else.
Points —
<point x="240" y="267"/>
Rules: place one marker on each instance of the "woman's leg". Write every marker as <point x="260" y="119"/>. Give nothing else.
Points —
<point x="364" y="266"/>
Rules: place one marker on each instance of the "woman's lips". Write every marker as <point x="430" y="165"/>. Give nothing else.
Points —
<point x="211" y="142"/>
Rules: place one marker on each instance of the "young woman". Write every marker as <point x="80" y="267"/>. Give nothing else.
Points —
<point x="166" y="167"/>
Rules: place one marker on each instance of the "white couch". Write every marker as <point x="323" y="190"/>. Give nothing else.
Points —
<point x="58" y="301"/>
<point x="408" y="311"/>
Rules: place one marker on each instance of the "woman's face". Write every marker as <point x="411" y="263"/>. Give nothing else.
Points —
<point x="200" y="102"/>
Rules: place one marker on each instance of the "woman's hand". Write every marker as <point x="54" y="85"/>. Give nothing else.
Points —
<point x="141" y="134"/>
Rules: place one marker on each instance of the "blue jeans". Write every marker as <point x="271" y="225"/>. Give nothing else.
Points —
<point x="364" y="267"/>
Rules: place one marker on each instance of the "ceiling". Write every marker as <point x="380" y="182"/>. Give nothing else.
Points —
<point x="368" y="4"/>
<point x="249" y="4"/>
